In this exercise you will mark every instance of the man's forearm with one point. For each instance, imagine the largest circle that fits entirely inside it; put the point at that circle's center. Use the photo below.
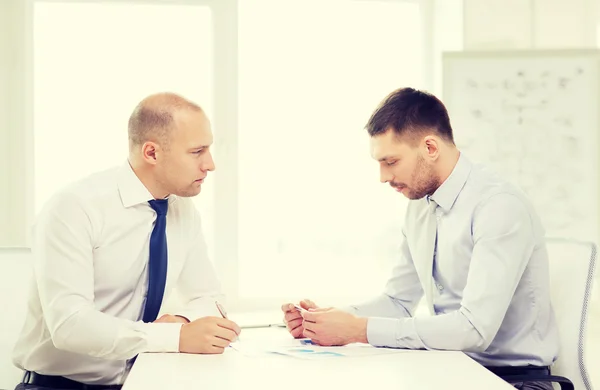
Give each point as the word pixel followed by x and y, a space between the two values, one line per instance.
pixel 451 331
pixel 96 334
pixel 381 306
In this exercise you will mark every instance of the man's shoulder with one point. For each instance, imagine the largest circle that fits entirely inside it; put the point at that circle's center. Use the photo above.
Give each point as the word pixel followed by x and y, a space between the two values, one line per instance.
pixel 485 182
pixel 86 190
pixel 489 190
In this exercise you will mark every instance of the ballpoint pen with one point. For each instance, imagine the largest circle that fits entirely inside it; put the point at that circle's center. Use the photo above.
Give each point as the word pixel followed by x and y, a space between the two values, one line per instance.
pixel 221 310
pixel 299 308
pixel 224 315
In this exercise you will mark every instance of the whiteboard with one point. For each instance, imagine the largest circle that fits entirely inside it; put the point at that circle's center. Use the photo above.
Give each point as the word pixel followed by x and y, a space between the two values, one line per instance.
pixel 533 117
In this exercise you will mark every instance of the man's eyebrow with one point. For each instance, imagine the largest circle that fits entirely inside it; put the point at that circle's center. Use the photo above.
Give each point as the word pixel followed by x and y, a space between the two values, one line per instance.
pixel 199 147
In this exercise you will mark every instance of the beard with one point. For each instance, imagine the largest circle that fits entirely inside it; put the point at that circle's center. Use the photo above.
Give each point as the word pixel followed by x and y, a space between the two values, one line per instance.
pixel 424 180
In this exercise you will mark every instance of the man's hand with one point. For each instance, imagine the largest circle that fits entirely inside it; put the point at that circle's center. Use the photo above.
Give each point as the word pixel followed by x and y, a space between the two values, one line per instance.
pixel 209 335
pixel 292 317
pixel 168 318
pixel 334 327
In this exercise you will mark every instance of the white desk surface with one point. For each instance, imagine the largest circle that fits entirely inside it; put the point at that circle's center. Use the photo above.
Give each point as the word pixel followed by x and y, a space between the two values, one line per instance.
pixel 232 370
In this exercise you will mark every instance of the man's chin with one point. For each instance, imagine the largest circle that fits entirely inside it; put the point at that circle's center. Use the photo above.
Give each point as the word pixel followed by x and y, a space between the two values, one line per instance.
pixel 189 193
pixel 412 196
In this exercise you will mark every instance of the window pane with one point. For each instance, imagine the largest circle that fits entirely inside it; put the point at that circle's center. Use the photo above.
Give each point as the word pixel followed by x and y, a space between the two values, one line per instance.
pixel 312 211
pixel 92 65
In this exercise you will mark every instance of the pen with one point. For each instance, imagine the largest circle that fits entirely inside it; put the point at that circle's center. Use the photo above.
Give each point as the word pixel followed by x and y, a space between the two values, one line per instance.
pixel 224 314
pixel 221 310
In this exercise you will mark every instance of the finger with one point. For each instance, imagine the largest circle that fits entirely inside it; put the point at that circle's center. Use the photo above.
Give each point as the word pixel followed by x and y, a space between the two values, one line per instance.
pixel 288 307
pixel 215 350
pixel 316 342
pixel 220 342
pixel 228 324
pixel 225 334
pixel 297 332
pixel 310 316
pixel 295 322
pixel 309 333
pixel 310 326
pixel 291 325
pixel 292 316
pixel 319 309
pixel 308 304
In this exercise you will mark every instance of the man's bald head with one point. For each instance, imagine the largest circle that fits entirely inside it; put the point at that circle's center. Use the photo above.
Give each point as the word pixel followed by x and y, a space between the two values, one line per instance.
pixel 154 118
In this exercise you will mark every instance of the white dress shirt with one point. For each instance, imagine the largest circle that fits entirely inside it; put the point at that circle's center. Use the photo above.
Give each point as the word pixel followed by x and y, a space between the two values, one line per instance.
pixel 90 256
pixel 487 278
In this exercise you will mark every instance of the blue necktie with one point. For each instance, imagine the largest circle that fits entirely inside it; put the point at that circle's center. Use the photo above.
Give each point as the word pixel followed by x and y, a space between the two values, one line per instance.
pixel 157 265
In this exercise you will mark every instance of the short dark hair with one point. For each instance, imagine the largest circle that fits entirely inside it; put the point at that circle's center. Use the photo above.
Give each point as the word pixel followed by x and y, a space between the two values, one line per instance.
pixel 410 113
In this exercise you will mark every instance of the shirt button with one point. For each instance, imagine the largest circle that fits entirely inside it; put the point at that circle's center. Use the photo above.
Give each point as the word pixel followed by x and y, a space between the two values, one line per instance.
pixel 440 287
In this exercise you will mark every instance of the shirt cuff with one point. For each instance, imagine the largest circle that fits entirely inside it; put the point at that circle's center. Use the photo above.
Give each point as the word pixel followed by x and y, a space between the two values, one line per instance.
pixel 163 337
pixel 381 332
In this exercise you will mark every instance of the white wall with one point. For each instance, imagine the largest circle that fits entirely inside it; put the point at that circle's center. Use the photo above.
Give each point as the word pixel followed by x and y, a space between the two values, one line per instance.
pixel 14 191
pixel 15 157
pixel 13 263
pixel 4 135
pixel 526 24
pixel 15 272
pixel 447 35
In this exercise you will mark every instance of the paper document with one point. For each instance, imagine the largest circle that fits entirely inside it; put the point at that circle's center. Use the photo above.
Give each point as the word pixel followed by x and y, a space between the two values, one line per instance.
pixel 254 347
pixel 319 352
pixel 304 349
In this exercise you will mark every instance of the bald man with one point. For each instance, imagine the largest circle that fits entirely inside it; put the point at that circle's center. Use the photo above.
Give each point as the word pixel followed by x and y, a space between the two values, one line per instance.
pixel 103 266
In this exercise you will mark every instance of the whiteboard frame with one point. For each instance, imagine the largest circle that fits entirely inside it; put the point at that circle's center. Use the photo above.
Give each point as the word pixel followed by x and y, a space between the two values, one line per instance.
pixel 591 53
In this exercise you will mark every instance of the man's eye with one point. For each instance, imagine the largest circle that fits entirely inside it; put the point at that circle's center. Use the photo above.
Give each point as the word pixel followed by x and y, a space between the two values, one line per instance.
pixel 390 163
pixel 198 151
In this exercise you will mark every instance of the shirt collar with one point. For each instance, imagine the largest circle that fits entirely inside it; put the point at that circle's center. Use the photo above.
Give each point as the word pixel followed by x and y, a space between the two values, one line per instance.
pixel 131 188
pixel 446 194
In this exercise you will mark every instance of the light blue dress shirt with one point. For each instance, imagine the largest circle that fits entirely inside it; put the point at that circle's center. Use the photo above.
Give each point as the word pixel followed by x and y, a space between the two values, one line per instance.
pixel 490 277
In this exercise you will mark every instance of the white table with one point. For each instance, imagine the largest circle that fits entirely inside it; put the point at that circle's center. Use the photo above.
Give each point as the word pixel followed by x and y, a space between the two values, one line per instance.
pixel 234 371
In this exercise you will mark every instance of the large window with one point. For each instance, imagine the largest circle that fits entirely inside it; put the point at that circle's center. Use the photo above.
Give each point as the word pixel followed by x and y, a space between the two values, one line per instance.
pixel 295 207
pixel 313 218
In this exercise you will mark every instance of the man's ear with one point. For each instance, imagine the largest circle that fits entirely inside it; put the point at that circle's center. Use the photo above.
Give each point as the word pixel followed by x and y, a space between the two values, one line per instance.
pixel 431 146
pixel 149 152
